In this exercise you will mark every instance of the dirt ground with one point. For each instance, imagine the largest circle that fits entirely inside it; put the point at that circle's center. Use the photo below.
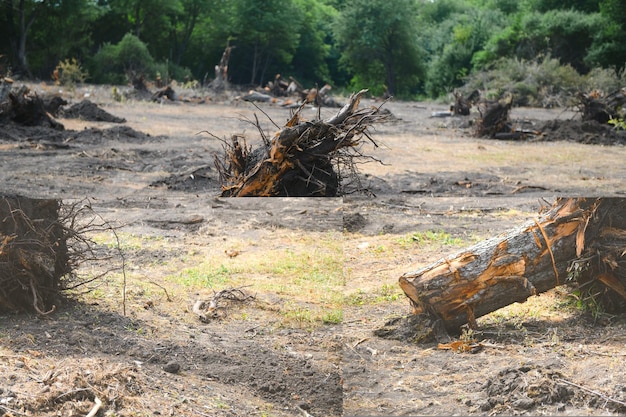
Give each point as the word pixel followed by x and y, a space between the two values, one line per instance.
pixel 437 190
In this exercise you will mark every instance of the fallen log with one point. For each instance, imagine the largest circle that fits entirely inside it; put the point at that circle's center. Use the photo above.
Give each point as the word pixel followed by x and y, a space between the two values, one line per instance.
pixel 526 261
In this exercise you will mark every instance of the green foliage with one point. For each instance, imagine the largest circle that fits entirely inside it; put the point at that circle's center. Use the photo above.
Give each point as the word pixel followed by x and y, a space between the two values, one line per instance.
pixel 609 45
pixel 377 41
pixel 310 61
pixel 264 36
pixel 404 47
pixel 604 79
pixel 170 71
pixel 456 40
pixel 618 123
pixel 114 64
pixel 565 35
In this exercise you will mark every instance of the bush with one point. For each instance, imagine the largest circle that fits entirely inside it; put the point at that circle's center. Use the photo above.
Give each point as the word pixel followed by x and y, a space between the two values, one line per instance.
pixel 68 73
pixel 604 79
pixel 116 64
pixel 538 83
pixel 168 72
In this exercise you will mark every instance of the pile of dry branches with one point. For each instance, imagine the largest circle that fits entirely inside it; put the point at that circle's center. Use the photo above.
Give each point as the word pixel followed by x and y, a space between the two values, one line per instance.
pixel 42 241
pixel 305 158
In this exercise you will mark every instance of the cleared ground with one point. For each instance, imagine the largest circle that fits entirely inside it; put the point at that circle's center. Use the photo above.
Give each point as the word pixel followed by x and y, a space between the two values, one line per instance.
pixel 322 273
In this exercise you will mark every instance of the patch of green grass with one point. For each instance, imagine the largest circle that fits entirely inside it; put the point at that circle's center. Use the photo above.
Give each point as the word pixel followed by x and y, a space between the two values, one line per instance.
pixel 308 318
pixel 334 316
pixel 202 276
pixel 429 237
pixel 388 293
pixel 300 315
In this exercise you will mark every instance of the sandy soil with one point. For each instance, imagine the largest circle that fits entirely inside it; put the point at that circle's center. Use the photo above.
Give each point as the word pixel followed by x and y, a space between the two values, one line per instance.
pixel 438 190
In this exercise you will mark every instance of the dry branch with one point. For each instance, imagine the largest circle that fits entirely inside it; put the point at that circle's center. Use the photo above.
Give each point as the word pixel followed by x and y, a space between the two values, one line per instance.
pixel 302 159
pixel 212 309
pixel 587 233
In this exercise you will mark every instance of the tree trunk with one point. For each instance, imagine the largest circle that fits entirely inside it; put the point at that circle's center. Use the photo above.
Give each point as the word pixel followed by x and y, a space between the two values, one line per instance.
pixel 502 270
pixel 220 82
pixel 24 28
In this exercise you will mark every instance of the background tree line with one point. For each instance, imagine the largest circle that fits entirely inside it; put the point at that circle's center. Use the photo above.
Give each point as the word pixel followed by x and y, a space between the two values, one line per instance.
pixel 406 48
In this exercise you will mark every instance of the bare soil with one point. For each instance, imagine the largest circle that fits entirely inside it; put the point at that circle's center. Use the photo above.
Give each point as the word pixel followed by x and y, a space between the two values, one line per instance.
pixel 152 176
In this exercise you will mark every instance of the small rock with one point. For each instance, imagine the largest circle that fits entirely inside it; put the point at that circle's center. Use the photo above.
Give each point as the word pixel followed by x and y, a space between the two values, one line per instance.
pixel 172 367
pixel 19 364
pixel 524 403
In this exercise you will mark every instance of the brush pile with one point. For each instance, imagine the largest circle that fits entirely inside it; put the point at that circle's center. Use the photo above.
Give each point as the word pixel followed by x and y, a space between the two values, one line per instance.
pixel 304 159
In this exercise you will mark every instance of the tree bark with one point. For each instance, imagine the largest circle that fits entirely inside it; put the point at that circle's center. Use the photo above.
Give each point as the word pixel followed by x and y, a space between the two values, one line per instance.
pixel 502 270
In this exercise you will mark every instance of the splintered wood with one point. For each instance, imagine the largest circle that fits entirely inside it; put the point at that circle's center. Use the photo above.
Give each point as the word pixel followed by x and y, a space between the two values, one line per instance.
pixel 526 261
pixel 304 159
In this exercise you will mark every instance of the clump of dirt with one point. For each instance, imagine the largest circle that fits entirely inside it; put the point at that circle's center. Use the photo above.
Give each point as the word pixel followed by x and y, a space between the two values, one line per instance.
pixel 353 222
pixel 524 388
pixel 587 132
pixel 119 133
pixel 416 328
pixel 86 110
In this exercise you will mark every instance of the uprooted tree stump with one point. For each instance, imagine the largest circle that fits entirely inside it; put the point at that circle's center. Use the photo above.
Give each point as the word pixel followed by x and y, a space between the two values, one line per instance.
pixel 42 242
pixel 462 105
pixel 494 117
pixel 25 107
pixel 304 159
pixel 33 254
pixel 601 108
pixel 577 240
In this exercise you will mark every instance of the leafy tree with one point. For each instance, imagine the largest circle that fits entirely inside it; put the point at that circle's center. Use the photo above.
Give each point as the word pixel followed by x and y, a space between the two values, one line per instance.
pixel 378 44
pixel 124 61
pixel 609 45
pixel 184 24
pixel 19 18
pixel 565 35
pixel 265 35
pixel 310 60
pixel 453 44
pixel 62 32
